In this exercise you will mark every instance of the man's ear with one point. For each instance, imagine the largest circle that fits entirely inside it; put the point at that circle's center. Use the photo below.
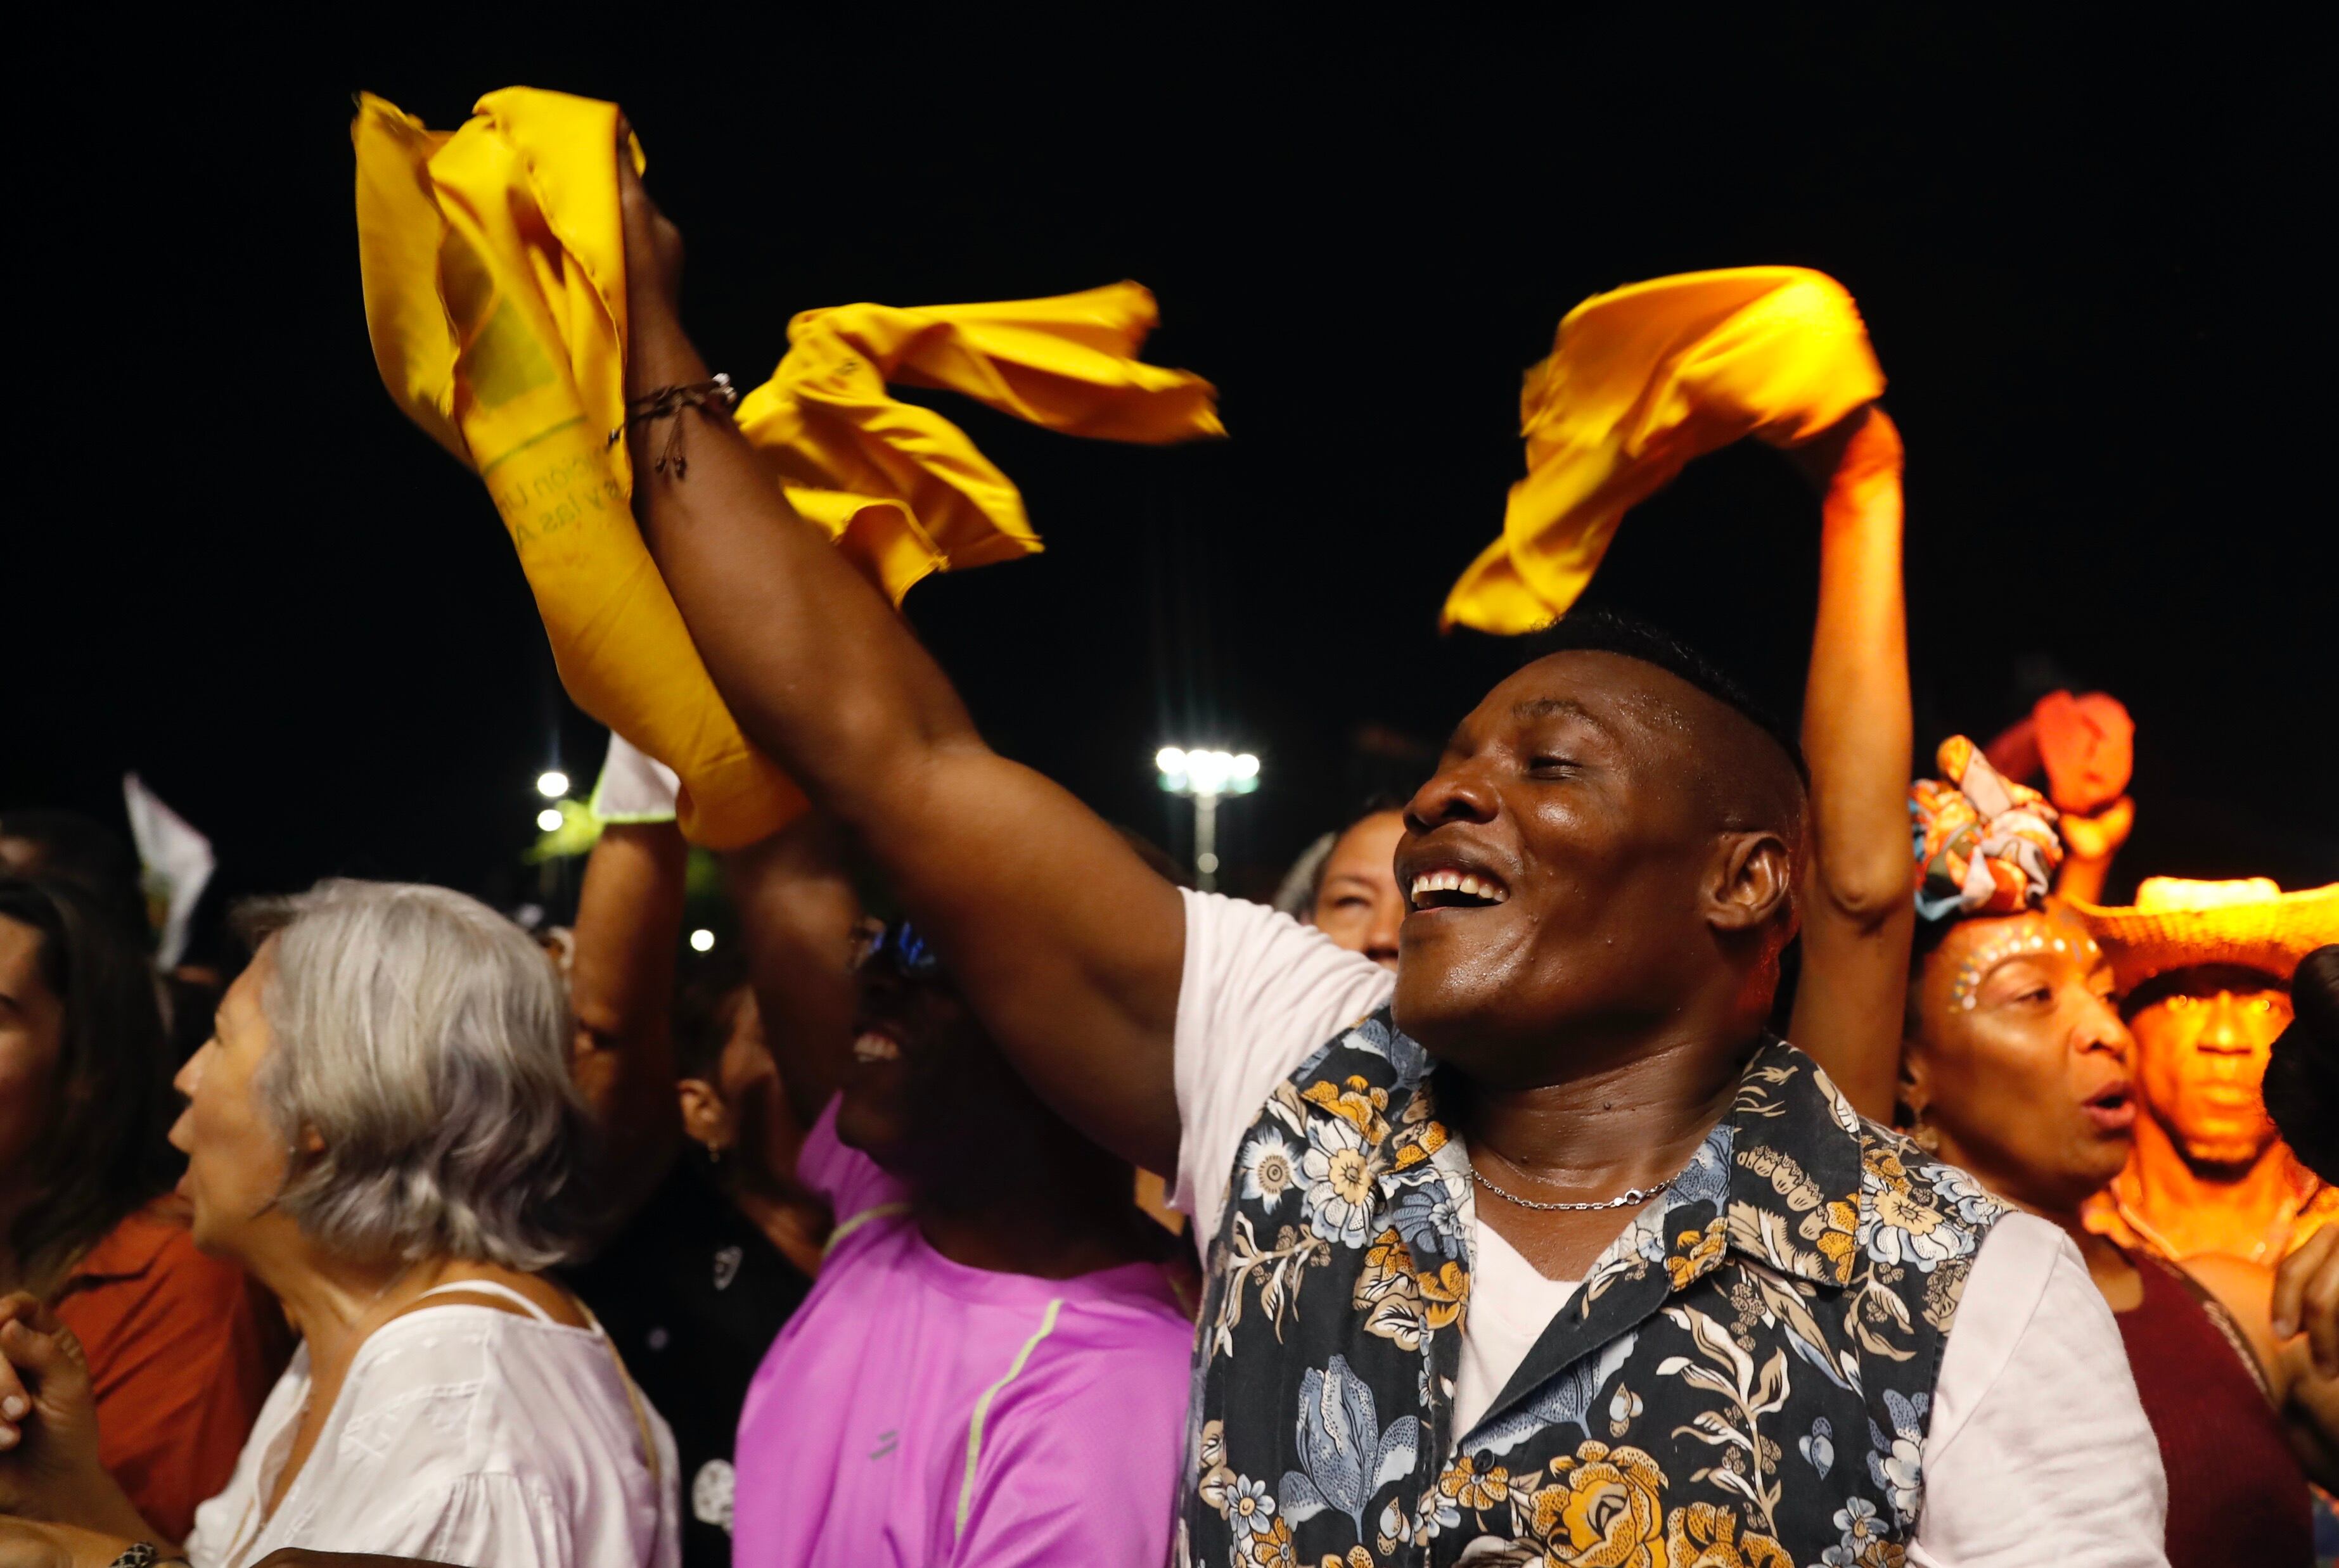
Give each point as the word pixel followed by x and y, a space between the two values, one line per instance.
pixel 705 1119
pixel 1914 1087
pixel 1753 882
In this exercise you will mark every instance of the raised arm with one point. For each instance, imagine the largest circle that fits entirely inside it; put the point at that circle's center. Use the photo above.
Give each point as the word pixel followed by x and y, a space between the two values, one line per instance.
pixel 1858 912
pixel 1066 943
pixel 621 985
pixel 797 909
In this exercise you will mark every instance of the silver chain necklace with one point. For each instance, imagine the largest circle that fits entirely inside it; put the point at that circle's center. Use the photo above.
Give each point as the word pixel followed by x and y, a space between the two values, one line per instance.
pixel 1629 1197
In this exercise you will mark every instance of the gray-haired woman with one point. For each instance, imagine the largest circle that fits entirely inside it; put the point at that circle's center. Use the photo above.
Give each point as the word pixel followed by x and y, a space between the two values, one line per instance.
pixel 383 1131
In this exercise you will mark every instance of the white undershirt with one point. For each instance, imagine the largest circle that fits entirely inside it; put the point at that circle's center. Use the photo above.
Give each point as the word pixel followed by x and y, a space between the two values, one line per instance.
pixel 2038 1452
pixel 1510 1306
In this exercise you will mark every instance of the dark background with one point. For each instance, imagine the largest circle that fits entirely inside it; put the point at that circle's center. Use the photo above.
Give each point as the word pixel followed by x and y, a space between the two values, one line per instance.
pixel 2084 255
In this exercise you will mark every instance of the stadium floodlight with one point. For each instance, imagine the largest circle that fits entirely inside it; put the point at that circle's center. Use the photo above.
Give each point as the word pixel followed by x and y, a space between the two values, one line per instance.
pixel 1206 775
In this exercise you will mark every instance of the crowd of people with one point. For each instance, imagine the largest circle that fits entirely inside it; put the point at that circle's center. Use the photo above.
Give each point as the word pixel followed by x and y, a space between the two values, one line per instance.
pixel 1501 1195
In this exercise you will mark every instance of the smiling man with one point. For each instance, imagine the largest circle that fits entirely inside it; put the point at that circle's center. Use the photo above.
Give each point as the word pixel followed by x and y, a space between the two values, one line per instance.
pixel 1540 1248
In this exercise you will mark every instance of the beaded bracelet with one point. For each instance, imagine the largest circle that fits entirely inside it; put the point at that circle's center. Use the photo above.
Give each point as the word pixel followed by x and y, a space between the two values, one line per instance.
pixel 667 403
pixel 143 1554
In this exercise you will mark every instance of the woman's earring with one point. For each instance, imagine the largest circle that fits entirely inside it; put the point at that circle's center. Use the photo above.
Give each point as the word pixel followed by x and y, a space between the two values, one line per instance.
pixel 1924 1134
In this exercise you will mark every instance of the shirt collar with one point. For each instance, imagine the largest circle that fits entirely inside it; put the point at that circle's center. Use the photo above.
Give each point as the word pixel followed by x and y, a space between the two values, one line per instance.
pixel 1797 1165
pixel 126 1251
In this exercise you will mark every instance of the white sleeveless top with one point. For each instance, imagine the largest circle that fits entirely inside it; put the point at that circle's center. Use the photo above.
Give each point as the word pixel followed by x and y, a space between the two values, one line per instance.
pixel 463 1434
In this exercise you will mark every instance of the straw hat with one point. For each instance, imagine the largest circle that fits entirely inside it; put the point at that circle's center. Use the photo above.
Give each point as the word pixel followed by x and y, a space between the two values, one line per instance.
pixel 2177 925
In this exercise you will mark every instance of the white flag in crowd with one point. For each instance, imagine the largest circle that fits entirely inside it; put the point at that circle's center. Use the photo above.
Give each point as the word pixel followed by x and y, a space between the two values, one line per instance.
pixel 175 861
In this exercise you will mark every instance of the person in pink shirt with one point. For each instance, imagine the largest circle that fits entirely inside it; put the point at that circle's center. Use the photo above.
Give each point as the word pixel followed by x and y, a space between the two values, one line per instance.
pixel 991 1366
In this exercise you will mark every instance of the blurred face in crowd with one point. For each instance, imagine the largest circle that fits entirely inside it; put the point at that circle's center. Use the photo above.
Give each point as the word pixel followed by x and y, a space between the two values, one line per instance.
pixel 2018 1059
pixel 2203 1037
pixel 1357 903
pixel 927 1095
pixel 1567 867
pixel 741 1111
pixel 237 1161
pixel 32 1032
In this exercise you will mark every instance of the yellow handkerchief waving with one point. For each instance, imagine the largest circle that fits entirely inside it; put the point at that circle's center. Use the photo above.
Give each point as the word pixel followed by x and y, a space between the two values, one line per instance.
pixel 1640 381
pixel 901 490
pixel 494 293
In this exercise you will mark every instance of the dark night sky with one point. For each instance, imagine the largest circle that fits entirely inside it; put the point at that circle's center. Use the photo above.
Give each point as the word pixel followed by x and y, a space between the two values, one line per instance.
pixel 2083 257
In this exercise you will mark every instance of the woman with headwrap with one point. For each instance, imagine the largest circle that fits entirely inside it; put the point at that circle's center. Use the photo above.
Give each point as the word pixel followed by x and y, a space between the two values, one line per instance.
pixel 2013 1062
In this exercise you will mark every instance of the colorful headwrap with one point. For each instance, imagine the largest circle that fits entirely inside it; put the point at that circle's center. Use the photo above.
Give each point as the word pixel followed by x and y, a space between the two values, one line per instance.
pixel 1984 844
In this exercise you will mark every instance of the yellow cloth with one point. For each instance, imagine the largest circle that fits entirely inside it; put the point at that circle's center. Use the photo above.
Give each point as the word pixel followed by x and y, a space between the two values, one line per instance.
pixel 1640 381
pixel 493 261
pixel 901 489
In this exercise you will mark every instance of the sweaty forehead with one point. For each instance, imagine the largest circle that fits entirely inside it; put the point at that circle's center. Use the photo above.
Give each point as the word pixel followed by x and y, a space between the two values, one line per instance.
pixel 1675 740
pixel 1645 711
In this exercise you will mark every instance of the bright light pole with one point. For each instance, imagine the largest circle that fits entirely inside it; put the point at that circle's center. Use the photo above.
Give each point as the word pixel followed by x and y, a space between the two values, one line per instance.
pixel 1206 776
pixel 550 785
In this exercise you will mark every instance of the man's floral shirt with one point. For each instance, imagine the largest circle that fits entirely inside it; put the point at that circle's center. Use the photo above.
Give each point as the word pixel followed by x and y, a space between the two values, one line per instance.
pixel 1743 1379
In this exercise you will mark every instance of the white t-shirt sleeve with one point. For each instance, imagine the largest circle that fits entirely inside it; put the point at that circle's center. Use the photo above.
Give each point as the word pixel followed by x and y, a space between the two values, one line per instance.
pixel 1259 992
pixel 2038 1451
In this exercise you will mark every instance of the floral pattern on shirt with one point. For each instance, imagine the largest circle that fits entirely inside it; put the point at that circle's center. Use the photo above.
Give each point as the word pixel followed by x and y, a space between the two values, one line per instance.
pixel 1743 1379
